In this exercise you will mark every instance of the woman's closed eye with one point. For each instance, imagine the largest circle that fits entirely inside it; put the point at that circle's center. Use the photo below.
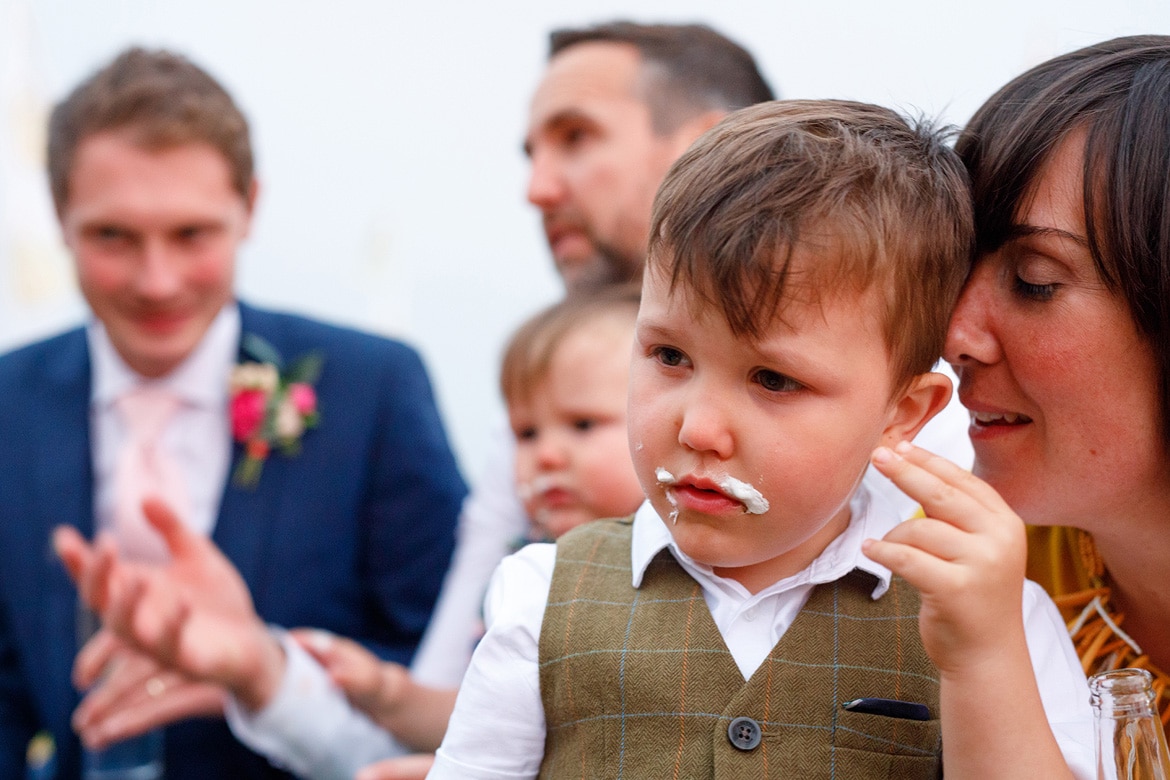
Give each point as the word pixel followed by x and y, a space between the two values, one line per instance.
pixel 1032 290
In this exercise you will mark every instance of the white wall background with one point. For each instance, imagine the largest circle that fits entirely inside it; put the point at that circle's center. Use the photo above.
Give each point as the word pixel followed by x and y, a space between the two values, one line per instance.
pixel 388 138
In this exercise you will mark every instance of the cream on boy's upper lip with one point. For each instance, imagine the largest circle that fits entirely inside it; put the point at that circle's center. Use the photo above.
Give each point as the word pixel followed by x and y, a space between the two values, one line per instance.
pixel 753 501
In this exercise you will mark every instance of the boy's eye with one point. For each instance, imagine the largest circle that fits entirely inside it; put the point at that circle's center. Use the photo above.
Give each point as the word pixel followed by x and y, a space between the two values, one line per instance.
pixel 525 434
pixel 583 424
pixel 775 382
pixel 669 356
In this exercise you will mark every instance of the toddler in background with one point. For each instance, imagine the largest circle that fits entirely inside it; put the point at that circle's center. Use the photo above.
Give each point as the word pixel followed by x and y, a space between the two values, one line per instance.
pixel 564 377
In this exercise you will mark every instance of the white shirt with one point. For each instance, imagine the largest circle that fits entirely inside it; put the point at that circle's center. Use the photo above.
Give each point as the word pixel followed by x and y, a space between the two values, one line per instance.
pixel 491 521
pixel 309 727
pixel 497 731
pixel 197 438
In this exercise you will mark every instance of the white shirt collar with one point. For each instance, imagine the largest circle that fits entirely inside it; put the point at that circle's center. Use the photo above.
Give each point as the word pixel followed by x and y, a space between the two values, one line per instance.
pixel 871 518
pixel 200 380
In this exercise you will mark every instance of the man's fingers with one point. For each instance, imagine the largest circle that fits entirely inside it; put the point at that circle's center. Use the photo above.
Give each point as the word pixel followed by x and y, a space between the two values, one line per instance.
pixel 73 550
pixel 176 535
pixel 93 658
pixel 160 700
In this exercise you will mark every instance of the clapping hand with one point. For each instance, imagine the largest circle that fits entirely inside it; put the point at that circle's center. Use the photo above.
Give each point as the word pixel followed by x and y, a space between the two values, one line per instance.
pixel 192 617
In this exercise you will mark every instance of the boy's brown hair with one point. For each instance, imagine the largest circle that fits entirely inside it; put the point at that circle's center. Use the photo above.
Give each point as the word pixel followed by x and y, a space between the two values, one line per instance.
pixel 881 203
pixel 163 100
pixel 531 349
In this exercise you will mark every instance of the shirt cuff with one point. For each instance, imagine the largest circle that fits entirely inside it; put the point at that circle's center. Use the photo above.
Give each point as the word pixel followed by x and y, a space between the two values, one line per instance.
pixel 309 727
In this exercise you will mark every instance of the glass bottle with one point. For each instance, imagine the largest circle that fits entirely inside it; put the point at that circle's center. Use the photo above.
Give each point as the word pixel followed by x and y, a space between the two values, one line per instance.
pixel 1131 744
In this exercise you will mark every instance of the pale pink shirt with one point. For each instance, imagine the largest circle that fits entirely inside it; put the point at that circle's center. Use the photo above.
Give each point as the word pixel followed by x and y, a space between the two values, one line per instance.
pixel 197 438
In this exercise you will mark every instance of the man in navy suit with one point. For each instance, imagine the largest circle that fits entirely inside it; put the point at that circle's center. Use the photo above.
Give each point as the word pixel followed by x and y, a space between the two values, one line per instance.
pixel 350 530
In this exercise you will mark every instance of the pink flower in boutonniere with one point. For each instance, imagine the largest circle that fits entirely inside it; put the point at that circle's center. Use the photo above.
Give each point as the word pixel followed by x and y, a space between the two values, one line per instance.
pixel 270 409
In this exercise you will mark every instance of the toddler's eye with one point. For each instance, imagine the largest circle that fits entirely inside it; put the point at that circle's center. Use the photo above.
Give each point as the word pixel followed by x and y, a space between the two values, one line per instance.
pixel 669 356
pixel 584 424
pixel 525 434
pixel 775 382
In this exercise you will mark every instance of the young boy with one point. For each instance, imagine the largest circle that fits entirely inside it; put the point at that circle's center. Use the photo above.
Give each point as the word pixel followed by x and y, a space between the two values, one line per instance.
pixel 803 259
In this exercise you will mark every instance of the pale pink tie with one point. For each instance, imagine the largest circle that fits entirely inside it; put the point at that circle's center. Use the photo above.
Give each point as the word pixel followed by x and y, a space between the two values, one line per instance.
pixel 146 470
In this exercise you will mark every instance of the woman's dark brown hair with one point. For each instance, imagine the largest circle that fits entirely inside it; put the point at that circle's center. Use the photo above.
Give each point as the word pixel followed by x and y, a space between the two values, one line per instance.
pixel 1118 94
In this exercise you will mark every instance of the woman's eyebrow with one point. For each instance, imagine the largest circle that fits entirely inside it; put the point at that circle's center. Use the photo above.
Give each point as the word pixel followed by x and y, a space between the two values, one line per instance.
pixel 1020 231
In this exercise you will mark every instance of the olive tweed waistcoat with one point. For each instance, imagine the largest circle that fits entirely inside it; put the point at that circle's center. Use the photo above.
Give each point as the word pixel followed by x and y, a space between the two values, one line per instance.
pixel 637 683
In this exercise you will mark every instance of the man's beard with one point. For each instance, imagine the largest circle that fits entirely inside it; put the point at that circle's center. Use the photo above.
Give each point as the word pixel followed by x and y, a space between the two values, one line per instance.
pixel 608 266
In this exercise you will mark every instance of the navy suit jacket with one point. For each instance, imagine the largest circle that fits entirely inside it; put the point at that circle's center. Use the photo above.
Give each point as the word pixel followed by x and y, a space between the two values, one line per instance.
pixel 353 534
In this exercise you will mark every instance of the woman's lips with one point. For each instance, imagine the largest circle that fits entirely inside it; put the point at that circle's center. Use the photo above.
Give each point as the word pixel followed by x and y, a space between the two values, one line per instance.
pixel 987 419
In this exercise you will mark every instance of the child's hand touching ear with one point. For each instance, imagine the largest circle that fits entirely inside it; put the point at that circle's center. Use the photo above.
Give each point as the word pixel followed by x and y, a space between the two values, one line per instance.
pixel 966 557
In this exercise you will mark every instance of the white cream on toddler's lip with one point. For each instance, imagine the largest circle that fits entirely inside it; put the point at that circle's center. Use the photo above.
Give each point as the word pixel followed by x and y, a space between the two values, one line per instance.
pixel 753 500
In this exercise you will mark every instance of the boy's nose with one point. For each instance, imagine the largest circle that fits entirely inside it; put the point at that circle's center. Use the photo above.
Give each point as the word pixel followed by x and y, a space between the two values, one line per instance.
pixel 705 428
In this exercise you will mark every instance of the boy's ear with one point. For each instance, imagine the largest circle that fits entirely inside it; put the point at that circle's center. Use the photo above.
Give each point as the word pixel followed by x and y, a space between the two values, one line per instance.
pixel 925 397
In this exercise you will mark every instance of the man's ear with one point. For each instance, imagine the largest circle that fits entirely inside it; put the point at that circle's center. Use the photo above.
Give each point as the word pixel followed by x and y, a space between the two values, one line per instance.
pixel 690 130
pixel 250 203
pixel 925 397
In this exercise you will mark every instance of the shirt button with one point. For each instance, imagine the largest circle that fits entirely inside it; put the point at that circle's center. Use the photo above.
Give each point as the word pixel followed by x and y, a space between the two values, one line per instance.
pixel 750 613
pixel 744 733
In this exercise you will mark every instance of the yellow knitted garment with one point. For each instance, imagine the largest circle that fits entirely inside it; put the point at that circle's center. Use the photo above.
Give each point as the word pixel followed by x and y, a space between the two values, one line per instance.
pixel 1066 563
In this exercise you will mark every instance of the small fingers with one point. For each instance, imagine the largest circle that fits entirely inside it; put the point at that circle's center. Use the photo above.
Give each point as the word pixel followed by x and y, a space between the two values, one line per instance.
pixel 934 537
pixel 405 768
pixel 921 569
pixel 944 490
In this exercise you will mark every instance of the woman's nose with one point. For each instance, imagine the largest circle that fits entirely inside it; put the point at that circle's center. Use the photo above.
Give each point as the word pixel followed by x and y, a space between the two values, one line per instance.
pixel 971 333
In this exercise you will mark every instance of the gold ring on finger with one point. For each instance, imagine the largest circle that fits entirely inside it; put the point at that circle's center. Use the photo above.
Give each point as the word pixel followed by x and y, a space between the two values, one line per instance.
pixel 155 687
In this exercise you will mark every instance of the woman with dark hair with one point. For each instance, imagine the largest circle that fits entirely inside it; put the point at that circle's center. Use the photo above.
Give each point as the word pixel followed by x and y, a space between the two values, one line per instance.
pixel 1061 338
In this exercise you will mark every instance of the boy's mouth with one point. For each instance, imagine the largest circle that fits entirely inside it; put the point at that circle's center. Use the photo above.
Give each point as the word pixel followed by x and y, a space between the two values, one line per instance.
pixel 723 485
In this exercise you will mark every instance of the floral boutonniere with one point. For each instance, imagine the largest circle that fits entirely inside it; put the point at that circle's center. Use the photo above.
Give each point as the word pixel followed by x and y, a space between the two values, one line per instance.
pixel 271 407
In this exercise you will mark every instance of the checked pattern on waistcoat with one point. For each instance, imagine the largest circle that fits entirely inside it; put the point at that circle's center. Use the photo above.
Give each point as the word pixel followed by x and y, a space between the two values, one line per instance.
pixel 638 683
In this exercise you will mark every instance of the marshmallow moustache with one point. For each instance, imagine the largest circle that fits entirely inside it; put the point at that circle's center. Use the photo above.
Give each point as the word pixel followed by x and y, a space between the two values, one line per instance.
pixel 753 500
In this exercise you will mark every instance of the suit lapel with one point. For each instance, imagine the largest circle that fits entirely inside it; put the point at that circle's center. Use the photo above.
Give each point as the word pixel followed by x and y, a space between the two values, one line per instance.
pixel 245 526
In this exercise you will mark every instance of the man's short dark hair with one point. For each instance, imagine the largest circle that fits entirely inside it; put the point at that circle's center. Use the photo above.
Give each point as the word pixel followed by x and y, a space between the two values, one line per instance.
pixel 688 69
pixel 163 100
